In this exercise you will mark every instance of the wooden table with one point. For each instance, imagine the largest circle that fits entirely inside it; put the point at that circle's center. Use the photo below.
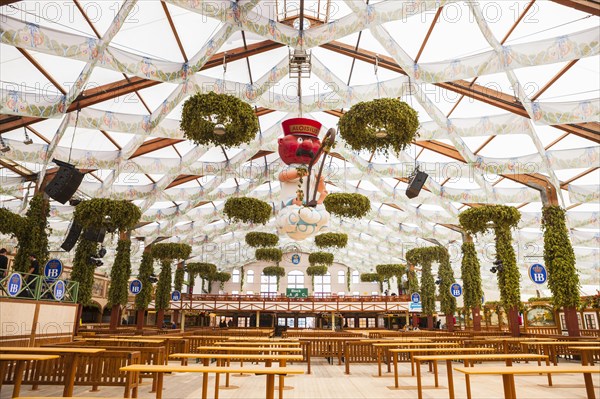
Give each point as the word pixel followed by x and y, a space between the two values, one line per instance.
pixel 72 353
pixel 584 350
pixel 125 340
pixel 21 359
pixel 549 347
pixel 412 351
pixel 508 374
pixel 258 343
pixel 248 349
pixel 282 359
pixel 387 345
pixel 270 373
pixel 468 359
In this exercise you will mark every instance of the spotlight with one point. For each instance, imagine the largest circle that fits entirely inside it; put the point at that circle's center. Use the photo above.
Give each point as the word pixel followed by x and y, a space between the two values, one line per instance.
pixel 3 146
pixel 381 133
pixel 153 279
pixel 498 265
pixel 101 252
pixel 93 261
pixel 27 140
pixel 493 269
pixel 219 129
pixel 438 281
pixel 74 201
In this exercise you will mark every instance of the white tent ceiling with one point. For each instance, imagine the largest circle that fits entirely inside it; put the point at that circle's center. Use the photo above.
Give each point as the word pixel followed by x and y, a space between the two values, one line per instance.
pixel 503 90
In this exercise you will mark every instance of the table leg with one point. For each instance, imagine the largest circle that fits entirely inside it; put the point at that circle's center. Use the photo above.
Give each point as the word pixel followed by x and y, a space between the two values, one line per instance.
pixel 217 375
pixel 584 361
pixel 506 386
pixel 2 372
pixel 159 385
pixel 205 382
pixel 412 365
pixel 136 377
pixel 396 369
pixel 435 373
pixel 282 363
pixel 388 360
pixel 450 379
pixel 70 377
pixel 18 378
pixel 270 386
pixel 589 386
pixel 419 387
pixel 468 381
pixel 227 375
pixel 379 362
pixel 549 375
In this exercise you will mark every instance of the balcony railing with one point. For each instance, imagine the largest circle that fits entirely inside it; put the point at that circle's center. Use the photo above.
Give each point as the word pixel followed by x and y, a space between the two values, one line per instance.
pixel 39 288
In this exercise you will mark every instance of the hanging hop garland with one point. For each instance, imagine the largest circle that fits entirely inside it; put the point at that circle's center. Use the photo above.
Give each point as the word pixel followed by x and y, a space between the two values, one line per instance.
pixel 146 270
pixel 83 272
pixel 371 278
pixel 269 254
pixel 222 278
pixel 256 239
pixel 178 279
pixel 329 240
pixel 347 205
pixel 316 270
pixel 204 270
pixel 247 210
pixel 202 112
pixel 360 126
pixel 274 271
pixel 320 258
pixel 471 276
pixel 108 213
pixel 170 251
pixel 119 274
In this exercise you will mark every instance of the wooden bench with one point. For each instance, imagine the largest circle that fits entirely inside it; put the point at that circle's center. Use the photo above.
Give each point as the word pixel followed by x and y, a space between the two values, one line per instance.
pixel 468 360
pixel 270 373
pixel 588 353
pixel 508 374
pixel 387 345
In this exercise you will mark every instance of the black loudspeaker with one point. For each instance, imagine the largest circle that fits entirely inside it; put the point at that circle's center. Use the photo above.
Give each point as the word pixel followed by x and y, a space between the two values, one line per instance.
pixel 94 234
pixel 72 237
pixel 415 184
pixel 65 182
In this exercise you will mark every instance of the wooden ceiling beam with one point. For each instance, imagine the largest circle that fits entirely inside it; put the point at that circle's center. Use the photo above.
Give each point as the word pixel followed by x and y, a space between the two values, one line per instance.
pixel 587 6
pixel 153 145
pixel 182 179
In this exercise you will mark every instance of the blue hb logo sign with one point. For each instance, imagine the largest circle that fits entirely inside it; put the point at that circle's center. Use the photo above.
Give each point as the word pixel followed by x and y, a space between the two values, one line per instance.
pixel 415 297
pixel 295 259
pixel 14 284
pixel 135 287
pixel 53 269
pixel 538 273
pixel 59 290
pixel 455 290
pixel 176 296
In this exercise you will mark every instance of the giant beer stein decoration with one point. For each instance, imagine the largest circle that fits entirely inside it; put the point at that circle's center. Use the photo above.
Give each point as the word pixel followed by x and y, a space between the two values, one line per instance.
pixel 300 148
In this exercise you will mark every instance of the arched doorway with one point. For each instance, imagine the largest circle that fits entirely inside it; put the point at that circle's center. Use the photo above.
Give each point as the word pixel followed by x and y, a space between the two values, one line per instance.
pixel 91 313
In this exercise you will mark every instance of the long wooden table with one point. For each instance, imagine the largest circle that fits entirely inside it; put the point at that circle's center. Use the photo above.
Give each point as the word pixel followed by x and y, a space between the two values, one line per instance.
pixel 72 353
pixel 249 349
pixel 21 359
pixel 220 357
pixel 387 345
pixel 468 359
pixel 270 373
pixel 412 351
pixel 549 347
pixel 585 350
pixel 508 374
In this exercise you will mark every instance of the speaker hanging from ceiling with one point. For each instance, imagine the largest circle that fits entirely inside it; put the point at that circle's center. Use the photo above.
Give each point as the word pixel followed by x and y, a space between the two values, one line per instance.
pixel 95 234
pixel 72 236
pixel 64 184
pixel 416 183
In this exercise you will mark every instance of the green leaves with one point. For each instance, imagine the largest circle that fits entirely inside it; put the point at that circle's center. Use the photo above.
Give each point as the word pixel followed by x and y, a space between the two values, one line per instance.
pixel 170 251
pixel 104 212
pixel 202 112
pixel 274 271
pixel 146 270
pixel 83 272
pixel 247 210
pixel 347 205
pixel 320 258
pixel 316 270
pixel 269 254
pixel 471 276
pixel 390 270
pixel 328 240
pixel 446 276
pixel 162 298
pixel 178 280
pixel 563 279
pixel 425 257
pixel 365 121
pixel 256 239
pixel 476 220
pixel 119 274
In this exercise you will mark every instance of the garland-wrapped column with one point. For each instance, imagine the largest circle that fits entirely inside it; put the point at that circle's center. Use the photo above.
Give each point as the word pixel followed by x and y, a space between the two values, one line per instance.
pixel 178 286
pixel 471 276
pixel 559 257
pixel 413 286
pixel 446 275
pixel 119 278
pixel 145 296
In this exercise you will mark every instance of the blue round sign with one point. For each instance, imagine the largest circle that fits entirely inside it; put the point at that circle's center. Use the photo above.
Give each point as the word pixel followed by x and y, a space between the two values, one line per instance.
pixel 53 269
pixel 175 296
pixel 295 259
pixel 15 281
pixel 415 297
pixel 455 290
pixel 135 287
pixel 59 290
pixel 538 273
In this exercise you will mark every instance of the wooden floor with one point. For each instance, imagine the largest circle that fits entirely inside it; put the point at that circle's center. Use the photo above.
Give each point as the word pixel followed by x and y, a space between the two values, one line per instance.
pixel 329 381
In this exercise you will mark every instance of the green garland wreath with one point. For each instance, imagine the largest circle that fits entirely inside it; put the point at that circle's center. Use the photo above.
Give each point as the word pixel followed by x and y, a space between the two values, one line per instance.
pixel 274 271
pixel 503 218
pixel 320 258
pixel 256 239
pixel 347 205
pixel 202 112
pixel 563 279
pixel 104 212
pixel 360 126
pixel 247 210
pixel 320 270
pixel 328 240
pixel 170 251
pixel 204 270
pixel 146 270
pixel 269 254
pixel 222 278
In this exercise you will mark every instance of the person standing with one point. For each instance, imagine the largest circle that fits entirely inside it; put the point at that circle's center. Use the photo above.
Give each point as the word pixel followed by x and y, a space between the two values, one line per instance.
pixel 34 268
pixel 3 263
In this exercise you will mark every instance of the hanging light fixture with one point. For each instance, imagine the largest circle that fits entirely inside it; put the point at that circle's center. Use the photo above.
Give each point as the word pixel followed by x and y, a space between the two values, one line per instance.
pixel 219 129
pixel 381 133
pixel 28 139
pixel 3 146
